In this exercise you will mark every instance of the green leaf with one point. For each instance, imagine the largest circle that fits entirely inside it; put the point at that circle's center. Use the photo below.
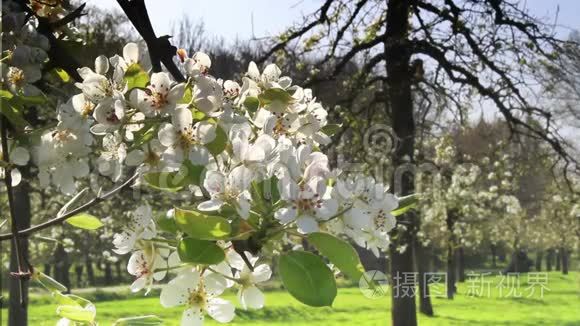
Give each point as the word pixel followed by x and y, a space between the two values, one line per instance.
pixel 307 278
pixel 200 251
pixel 405 204
pixel 76 313
pixel 220 142
pixel 6 94
pixel 167 224
pixel 144 135
pixel 13 112
pixel 48 282
pixel 339 252
pixel 139 321
pixel 85 221
pixel 331 129
pixel 62 74
pixel 135 76
pixel 32 100
pixel 200 226
pixel 267 189
pixel 274 95
pixel 188 174
pixel 187 96
pixel 252 103
pixel 70 300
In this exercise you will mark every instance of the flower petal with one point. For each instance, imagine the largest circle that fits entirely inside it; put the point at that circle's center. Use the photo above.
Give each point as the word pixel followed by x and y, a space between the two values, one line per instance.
pixel 221 310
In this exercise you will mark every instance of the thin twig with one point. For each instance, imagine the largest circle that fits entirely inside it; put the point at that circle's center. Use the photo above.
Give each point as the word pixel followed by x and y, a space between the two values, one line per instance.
pixel 60 219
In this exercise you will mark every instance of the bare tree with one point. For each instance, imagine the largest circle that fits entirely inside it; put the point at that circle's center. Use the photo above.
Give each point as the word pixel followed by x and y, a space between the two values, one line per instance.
pixel 464 50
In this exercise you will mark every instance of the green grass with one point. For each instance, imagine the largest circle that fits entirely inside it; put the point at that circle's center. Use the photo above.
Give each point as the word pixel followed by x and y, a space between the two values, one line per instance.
pixel 559 306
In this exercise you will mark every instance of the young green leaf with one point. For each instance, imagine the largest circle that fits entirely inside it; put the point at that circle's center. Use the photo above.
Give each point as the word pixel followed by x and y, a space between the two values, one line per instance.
pixel 339 252
pixel 274 94
pixel 151 320
pixel 187 175
pixel 85 221
pixel 201 226
pixel 252 103
pixel 220 142
pixel 405 204
pixel 135 76
pixel 77 313
pixel 48 282
pixel 307 278
pixel 200 251
pixel 331 129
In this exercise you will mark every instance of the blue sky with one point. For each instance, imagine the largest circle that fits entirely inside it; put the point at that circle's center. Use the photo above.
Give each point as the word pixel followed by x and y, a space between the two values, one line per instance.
pixel 232 18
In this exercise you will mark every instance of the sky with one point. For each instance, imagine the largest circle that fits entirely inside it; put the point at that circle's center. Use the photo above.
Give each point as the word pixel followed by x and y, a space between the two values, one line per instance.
pixel 233 18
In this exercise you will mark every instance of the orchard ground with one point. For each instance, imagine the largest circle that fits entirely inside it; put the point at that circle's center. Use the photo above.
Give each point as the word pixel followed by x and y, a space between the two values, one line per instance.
pixel 560 305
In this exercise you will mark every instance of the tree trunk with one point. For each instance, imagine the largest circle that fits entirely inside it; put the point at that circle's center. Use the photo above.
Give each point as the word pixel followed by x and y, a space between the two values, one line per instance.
pixel 400 106
pixel 108 274
pixel 493 255
pixel 450 272
pixel 18 313
pixel 564 254
pixel 90 271
pixel 62 266
pixel 558 259
pixel 421 263
pixel 47 269
pixel 460 265
pixel 549 260
pixel 79 275
pixel 539 256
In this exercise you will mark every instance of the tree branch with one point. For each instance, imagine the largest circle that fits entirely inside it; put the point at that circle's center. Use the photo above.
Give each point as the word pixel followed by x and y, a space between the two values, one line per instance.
pixel 160 49
pixel 60 219
pixel 23 271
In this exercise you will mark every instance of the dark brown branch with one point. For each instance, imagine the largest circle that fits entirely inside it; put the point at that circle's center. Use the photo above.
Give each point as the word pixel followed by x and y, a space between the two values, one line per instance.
pixel 160 49
pixel 23 271
pixel 281 45
pixel 58 55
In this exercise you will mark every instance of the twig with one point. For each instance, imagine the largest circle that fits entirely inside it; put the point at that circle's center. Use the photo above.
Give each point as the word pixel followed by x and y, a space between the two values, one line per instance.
pixel 23 271
pixel 60 219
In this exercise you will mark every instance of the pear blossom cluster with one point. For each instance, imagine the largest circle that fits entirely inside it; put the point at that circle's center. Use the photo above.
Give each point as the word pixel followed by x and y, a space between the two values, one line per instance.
pixel 250 152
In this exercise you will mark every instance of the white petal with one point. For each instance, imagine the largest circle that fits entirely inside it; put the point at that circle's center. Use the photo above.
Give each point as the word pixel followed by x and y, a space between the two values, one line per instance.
pixel 138 284
pixel 307 224
pixel 210 205
pixel 16 177
pixel 205 132
pixel 214 182
pixel 167 135
pixel 131 53
pixel 327 209
pixel 261 273
pixel 19 156
pixel 101 65
pixel 174 295
pixel 182 118
pixel 192 317
pixel 176 93
pixel 160 82
pixel 221 310
pixel 251 298
pixel 285 214
pixel 253 71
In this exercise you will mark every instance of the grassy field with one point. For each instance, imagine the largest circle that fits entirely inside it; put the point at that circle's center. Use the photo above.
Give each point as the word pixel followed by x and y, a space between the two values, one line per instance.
pixel 560 305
